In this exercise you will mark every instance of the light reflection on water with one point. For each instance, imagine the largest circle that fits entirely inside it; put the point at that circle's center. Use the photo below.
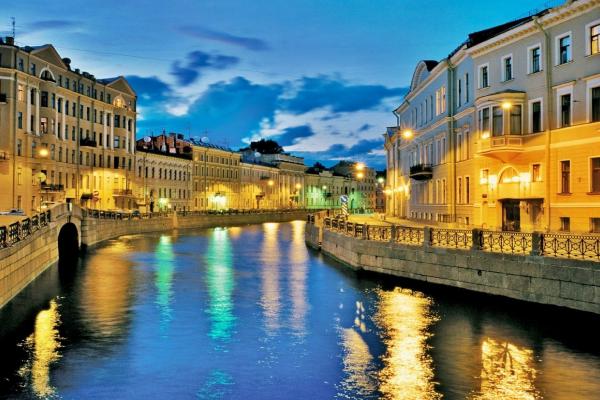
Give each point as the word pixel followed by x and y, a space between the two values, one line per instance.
pixel 251 313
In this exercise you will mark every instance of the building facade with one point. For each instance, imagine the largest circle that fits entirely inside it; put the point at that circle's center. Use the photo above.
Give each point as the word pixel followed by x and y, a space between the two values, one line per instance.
pixel 503 133
pixel 164 174
pixel 259 186
pixel 67 136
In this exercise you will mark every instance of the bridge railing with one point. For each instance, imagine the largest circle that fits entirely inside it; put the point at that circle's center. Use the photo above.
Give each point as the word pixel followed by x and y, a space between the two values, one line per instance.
pixel 561 245
pixel 20 230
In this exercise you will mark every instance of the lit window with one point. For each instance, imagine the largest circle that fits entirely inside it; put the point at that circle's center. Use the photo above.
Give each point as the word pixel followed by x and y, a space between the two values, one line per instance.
pixel 565 181
pixel 536 173
pixel 595 174
pixel 595 39
pixel 565 110
pixel 565 224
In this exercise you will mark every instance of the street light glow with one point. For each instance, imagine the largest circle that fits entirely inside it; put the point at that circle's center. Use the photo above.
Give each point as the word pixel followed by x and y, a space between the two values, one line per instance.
pixel 270 183
pixel 360 166
pixel 43 152
pixel 381 180
pixel 360 175
pixel 298 186
pixel 407 134
pixel 507 105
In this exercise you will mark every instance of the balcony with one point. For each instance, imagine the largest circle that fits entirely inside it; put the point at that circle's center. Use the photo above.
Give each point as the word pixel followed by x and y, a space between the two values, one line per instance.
pixel 421 172
pixel 502 148
pixel 3 98
pixel 122 193
pixel 51 188
pixel 87 142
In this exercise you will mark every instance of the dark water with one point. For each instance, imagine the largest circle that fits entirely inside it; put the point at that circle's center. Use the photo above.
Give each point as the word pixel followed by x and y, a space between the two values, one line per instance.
pixel 250 313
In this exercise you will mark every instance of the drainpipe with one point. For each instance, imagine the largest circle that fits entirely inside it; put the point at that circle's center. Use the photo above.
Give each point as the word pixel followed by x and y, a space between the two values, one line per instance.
pixel 14 136
pixel 547 119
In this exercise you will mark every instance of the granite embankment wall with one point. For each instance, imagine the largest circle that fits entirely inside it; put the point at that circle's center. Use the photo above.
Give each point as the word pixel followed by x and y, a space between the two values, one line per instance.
pixel 26 255
pixel 561 282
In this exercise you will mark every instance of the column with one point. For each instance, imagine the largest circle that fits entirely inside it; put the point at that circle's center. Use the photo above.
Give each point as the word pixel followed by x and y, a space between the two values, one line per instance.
pixel 64 120
pixel 112 133
pixel 126 136
pixel 104 130
pixel 55 125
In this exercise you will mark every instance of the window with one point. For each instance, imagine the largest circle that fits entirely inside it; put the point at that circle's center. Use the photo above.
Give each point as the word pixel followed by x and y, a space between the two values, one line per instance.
pixel 19 147
pixel 507 68
pixel 459 89
pixel 595 104
pixel 21 93
pixel 536 173
pixel 467 190
pixel 484 176
pixel 44 99
pixel 565 177
pixel 515 120
pixel 563 49
pixel 20 65
pixel 460 190
pixel 595 225
pixel 44 124
pixel 32 68
pixel 466 88
pixel 565 224
pixel 535 60
pixel 565 110
pixel 20 120
pixel 536 116
pixel 484 120
pixel 497 126
pixel 484 76
pixel 595 174
pixel 592 32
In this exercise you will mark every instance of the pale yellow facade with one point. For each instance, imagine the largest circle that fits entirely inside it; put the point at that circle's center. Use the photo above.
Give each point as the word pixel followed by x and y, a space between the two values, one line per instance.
pixel 65 134
pixel 259 186
pixel 505 132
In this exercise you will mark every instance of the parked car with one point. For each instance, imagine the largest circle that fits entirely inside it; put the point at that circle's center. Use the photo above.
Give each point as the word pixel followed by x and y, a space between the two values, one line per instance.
pixel 13 211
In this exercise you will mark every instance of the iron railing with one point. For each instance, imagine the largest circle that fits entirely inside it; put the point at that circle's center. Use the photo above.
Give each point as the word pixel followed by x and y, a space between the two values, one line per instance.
pixel 564 245
pixel 20 230
pixel 409 235
pixel 506 242
pixel 453 238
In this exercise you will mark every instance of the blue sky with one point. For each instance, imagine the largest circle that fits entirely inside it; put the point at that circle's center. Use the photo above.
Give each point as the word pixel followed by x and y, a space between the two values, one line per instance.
pixel 320 76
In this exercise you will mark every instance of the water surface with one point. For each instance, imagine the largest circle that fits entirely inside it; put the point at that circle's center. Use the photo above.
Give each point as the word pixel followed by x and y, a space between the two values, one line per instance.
pixel 251 313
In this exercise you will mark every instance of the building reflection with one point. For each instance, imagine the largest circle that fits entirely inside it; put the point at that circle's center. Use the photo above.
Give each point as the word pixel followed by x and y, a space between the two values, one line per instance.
pixel 298 256
pixel 405 319
pixel 270 296
pixel 43 346
pixel 106 292
pixel 163 280
pixel 507 372
pixel 220 281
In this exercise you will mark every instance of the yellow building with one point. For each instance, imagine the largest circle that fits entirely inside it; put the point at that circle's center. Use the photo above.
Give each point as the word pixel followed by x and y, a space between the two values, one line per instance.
pixel 259 186
pixel 504 132
pixel 216 177
pixel 66 134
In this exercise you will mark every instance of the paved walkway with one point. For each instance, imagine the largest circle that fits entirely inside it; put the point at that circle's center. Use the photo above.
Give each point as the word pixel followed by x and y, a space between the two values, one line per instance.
pixel 380 219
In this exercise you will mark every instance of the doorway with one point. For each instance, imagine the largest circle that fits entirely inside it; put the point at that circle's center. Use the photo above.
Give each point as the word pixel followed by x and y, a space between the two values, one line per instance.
pixel 511 215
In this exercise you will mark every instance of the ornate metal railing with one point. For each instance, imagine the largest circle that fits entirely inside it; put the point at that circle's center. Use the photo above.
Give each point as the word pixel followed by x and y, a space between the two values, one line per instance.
pixel 506 242
pixel 20 230
pixel 379 233
pixel 564 245
pixel 408 235
pixel 454 238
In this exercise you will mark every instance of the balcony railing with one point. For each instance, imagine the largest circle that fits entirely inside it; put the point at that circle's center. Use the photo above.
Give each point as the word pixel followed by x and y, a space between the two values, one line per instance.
pixel 421 172
pixel 87 142
pixel 46 187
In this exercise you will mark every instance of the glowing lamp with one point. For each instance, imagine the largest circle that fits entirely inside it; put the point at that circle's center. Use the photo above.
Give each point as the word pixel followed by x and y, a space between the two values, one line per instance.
pixel 43 152
pixel 298 186
pixel 380 180
pixel 360 166
pixel 324 187
pixel 407 134
pixel 507 105
pixel 360 175
pixel 485 135
pixel 270 182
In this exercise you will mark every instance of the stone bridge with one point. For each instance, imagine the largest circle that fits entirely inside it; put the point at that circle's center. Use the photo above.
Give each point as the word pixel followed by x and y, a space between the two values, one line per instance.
pixel 30 246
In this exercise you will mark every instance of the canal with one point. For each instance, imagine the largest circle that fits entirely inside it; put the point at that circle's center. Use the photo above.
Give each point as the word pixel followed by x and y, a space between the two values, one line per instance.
pixel 251 313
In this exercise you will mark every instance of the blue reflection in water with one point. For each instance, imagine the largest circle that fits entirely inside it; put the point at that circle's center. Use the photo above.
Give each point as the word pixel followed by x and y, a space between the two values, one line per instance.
pixel 163 281
pixel 219 279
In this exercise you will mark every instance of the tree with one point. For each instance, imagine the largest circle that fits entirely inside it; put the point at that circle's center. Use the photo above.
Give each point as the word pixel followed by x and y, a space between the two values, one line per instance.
pixel 319 167
pixel 266 147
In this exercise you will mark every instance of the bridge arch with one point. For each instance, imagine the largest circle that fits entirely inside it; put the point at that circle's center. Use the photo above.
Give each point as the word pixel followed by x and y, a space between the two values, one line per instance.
pixel 68 242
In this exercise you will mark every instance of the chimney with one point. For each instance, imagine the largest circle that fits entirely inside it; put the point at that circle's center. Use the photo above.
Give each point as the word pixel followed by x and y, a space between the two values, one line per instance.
pixel 10 40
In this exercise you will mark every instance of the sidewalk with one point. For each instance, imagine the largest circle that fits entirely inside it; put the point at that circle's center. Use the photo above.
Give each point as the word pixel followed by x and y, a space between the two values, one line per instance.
pixel 378 219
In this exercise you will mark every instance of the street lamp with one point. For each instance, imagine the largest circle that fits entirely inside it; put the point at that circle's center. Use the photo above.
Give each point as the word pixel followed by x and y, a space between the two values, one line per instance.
pixel 407 134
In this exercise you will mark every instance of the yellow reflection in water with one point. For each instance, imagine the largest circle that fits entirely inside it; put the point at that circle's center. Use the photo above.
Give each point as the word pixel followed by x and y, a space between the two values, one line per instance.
pixel 298 255
pixel 163 279
pixel 360 378
pixel 270 297
pixel 405 317
pixel 507 372
pixel 220 285
pixel 43 344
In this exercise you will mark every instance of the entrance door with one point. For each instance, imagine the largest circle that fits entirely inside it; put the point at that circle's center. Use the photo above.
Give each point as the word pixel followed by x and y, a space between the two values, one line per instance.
pixel 511 215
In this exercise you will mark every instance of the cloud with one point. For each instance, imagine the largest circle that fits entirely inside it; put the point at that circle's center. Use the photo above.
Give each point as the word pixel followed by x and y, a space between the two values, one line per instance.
pixel 365 127
pixel 198 61
pixel 223 37
pixel 51 24
pixel 292 135
pixel 150 90
pixel 339 95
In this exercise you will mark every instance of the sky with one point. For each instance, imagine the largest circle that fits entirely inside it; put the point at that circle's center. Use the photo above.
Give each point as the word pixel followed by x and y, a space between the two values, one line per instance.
pixel 321 77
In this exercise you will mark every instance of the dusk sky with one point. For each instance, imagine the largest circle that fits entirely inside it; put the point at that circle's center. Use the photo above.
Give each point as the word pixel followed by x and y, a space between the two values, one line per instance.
pixel 321 77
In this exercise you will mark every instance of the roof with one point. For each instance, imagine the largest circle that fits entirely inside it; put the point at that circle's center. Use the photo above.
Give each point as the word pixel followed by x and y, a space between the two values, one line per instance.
pixel 430 64
pixel 210 145
pixel 478 37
